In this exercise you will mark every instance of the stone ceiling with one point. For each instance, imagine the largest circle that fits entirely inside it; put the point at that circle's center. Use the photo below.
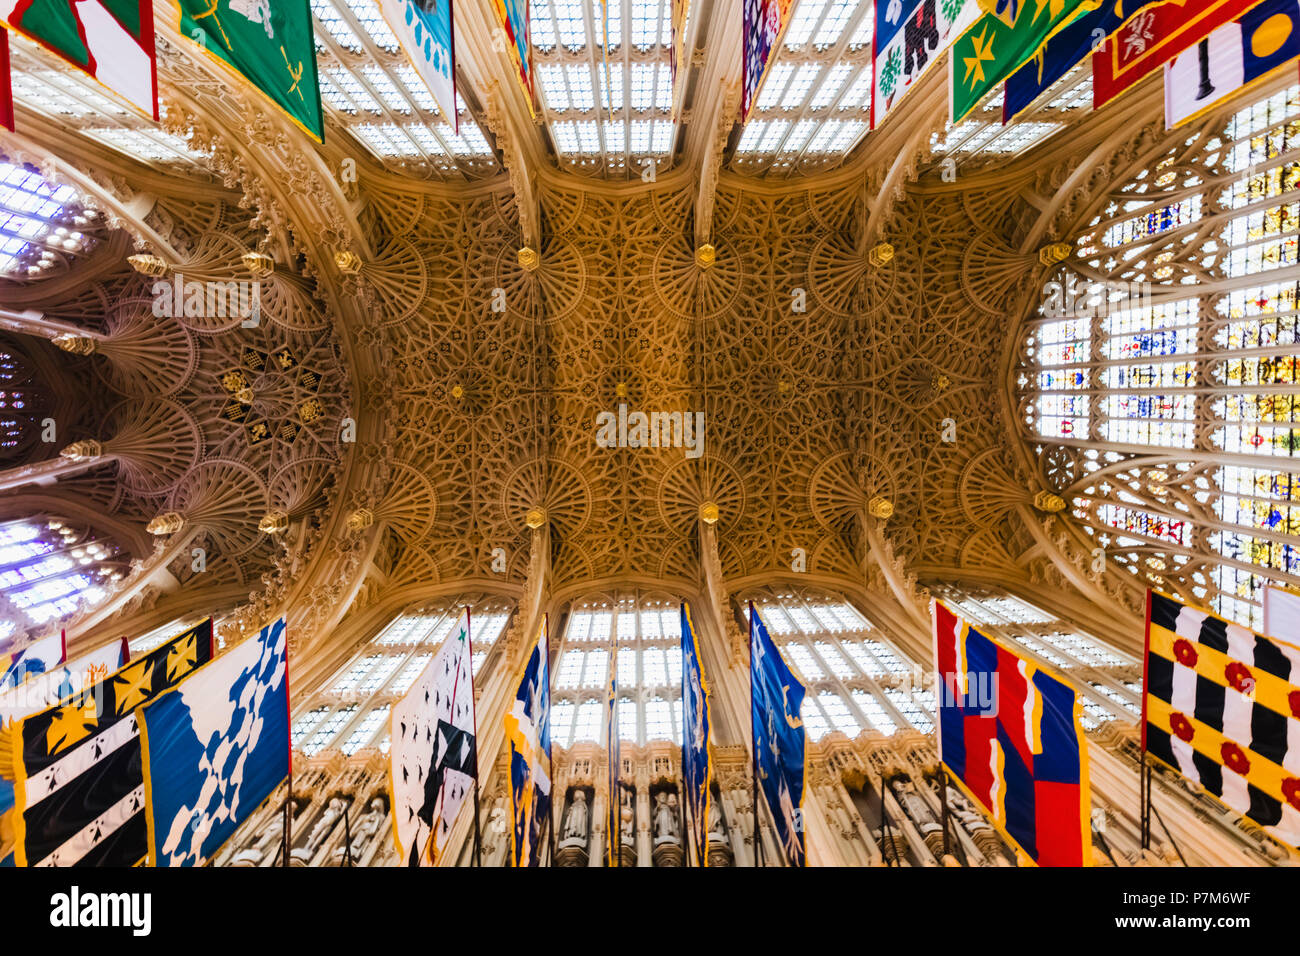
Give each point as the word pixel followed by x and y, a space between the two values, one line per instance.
pixel 833 331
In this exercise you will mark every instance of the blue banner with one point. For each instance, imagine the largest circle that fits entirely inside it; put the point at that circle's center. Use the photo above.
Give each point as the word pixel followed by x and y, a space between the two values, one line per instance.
pixel 1063 51
pixel 777 699
pixel 215 748
pixel 424 29
pixel 697 768
pixel 611 743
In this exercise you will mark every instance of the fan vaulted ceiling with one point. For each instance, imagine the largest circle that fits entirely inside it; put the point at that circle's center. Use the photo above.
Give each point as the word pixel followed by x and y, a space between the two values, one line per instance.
pixel 746 279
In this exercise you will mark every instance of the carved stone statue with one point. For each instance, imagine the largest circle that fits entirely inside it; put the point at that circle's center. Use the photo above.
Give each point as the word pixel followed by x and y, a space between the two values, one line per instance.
pixel 964 812
pixel 914 805
pixel 667 826
pixel 273 833
pixel 331 815
pixel 575 825
pixel 717 828
pixel 267 841
pixel 374 817
pixel 626 816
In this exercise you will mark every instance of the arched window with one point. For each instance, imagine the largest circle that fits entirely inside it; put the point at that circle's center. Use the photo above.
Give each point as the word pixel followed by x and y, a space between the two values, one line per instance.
pixel 855 679
pixel 349 712
pixel 647 633
pixel 51 568
pixel 39 223
pixel 19 401
pixel 1158 377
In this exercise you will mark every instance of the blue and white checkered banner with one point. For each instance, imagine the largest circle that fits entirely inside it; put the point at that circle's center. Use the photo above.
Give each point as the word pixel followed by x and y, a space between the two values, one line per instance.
pixel 215 748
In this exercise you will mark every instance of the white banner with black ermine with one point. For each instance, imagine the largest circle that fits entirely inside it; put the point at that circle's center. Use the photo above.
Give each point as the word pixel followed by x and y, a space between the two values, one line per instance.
pixel 433 756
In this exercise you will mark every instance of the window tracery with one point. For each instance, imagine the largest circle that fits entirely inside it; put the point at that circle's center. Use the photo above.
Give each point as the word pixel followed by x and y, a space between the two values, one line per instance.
pixel 349 711
pixel 68 97
pixel 600 126
pixel 41 225
pixel 856 679
pixel 647 633
pixel 1158 374
pixel 51 568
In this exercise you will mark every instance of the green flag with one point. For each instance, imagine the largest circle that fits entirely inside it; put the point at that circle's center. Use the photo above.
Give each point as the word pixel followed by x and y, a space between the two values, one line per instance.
pixel 269 44
pixel 1008 34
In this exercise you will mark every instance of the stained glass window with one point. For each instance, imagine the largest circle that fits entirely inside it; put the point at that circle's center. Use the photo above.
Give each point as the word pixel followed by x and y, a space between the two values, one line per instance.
pixel 1182 336
pixel 38 222
pixel 51 568
pixel 19 401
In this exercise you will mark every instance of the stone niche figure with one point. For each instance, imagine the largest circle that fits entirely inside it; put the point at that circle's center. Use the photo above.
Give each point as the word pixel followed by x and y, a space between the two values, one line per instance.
pixel 369 824
pixel 717 827
pixel 273 834
pixel 964 812
pixel 915 806
pixel 268 842
pixel 626 817
pixel 718 845
pixel 667 824
pixel 332 813
pixel 744 814
pixel 575 824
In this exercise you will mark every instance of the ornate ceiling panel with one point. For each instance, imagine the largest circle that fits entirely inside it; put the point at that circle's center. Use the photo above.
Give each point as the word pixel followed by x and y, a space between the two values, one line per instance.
pixel 824 382
pixel 188 413
pixel 843 339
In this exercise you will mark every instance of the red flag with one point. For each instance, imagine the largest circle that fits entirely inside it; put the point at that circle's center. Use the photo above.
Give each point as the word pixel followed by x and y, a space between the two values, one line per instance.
pixel 1010 737
pixel 6 91
pixel 1152 38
